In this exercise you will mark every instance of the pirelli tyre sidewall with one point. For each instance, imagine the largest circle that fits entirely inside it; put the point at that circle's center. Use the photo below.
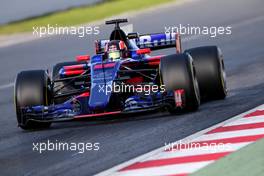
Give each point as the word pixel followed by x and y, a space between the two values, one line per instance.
pixel 177 72
pixel 209 64
pixel 31 88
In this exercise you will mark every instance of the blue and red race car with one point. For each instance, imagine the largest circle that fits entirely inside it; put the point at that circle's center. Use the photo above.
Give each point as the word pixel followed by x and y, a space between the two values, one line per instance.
pixel 121 78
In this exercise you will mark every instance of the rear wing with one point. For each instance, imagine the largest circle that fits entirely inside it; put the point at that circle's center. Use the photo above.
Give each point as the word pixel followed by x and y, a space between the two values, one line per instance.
pixel 159 41
pixel 153 41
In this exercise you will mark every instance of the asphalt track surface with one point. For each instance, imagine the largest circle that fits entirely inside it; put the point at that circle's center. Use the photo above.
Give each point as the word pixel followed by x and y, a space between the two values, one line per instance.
pixel 124 139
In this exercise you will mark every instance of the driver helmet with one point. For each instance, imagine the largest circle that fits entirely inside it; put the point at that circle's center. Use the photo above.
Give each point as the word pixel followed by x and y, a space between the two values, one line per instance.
pixel 115 49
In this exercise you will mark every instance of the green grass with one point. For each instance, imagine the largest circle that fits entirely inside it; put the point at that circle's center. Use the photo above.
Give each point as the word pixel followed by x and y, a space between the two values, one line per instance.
pixel 80 15
pixel 247 161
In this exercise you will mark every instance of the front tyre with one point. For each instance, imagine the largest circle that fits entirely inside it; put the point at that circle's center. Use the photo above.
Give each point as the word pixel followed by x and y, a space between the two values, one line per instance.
pixel 32 88
pixel 177 72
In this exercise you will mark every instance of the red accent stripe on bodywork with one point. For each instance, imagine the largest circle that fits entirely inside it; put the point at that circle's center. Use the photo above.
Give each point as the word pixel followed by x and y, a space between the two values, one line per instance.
pixel 100 66
pixel 73 72
pixel 178 43
pixel 86 94
pixel 143 51
pixel 96 115
pixel 154 60
pixel 82 58
pixel 178 97
pixel 74 67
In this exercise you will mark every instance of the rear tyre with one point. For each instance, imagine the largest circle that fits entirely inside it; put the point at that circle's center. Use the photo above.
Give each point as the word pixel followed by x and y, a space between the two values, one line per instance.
pixel 32 88
pixel 210 69
pixel 177 72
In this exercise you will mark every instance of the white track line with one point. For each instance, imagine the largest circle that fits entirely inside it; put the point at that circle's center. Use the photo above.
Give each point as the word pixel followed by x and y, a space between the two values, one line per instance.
pixel 230 134
pixel 5 86
pixel 164 170
pixel 197 151
pixel 245 121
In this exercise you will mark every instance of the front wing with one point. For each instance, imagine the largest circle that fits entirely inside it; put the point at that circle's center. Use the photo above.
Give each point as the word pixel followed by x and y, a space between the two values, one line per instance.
pixel 76 108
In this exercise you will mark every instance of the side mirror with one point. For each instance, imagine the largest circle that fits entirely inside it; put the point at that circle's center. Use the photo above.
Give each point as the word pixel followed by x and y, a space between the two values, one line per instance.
pixel 82 58
pixel 143 51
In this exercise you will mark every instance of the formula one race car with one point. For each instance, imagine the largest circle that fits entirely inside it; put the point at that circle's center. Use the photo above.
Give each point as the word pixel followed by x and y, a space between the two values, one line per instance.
pixel 121 78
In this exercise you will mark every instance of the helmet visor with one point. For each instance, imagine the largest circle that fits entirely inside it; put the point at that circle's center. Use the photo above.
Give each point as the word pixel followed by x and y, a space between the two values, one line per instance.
pixel 114 55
